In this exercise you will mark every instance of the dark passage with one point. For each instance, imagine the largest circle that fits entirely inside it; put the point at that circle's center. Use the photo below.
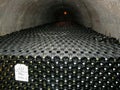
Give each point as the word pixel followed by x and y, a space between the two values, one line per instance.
pixel 64 15
pixel 64 12
pixel 60 56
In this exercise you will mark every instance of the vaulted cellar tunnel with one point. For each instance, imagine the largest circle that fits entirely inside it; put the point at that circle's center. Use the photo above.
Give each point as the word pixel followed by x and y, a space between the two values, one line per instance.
pixel 59 45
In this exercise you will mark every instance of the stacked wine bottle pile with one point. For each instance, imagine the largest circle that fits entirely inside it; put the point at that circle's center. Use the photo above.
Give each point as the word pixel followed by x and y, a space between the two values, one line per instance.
pixel 60 58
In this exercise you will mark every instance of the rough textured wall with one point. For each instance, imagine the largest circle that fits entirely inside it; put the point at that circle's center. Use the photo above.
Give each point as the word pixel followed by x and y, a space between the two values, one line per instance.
pixel 105 16
pixel 20 14
pixel 102 15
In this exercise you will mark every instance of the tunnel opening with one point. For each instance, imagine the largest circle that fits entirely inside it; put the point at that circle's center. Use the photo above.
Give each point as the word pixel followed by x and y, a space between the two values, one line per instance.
pixel 64 13
pixel 64 16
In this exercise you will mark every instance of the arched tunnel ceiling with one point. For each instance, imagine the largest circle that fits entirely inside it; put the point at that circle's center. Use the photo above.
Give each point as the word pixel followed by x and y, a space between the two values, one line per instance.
pixel 102 15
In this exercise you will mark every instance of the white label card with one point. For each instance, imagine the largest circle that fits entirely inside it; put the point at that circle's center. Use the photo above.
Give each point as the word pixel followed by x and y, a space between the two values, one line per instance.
pixel 21 72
